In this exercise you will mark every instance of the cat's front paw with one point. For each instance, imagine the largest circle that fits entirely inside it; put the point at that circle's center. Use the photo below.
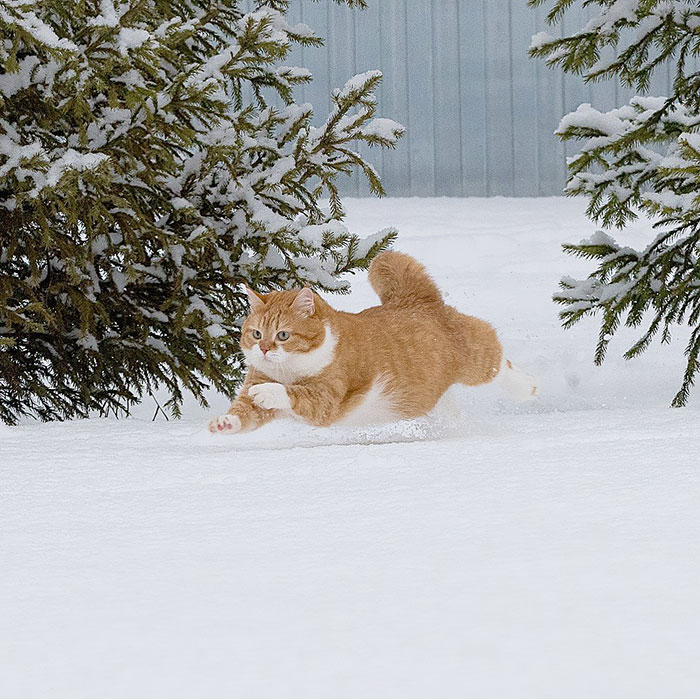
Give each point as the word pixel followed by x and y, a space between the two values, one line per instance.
pixel 271 396
pixel 225 424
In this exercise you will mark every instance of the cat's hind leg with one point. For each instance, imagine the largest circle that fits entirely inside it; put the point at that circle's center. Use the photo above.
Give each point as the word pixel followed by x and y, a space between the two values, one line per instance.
pixel 518 383
pixel 483 361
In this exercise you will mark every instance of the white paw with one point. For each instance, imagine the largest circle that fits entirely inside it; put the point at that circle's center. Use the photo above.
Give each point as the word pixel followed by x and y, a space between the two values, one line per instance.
pixel 226 424
pixel 271 396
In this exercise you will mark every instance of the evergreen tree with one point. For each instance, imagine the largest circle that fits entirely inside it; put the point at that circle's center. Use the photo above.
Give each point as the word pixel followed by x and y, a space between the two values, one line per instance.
pixel 140 187
pixel 641 157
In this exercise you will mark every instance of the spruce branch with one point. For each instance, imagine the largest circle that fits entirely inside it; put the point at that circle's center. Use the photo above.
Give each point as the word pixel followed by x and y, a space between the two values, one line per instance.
pixel 640 158
pixel 152 158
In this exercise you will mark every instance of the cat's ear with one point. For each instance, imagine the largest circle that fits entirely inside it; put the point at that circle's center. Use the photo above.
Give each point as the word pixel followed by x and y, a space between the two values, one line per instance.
pixel 304 302
pixel 256 301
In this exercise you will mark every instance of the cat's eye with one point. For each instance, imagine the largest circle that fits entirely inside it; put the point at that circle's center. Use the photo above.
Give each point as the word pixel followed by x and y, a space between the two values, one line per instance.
pixel 257 334
pixel 282 335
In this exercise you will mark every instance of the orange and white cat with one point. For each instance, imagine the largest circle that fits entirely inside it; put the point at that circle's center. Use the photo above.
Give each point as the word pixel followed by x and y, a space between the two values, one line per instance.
pixel 388 362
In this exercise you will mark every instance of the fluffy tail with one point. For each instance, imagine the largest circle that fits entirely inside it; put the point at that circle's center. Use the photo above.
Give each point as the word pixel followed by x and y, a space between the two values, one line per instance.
pixel 398 277
pixel 519 384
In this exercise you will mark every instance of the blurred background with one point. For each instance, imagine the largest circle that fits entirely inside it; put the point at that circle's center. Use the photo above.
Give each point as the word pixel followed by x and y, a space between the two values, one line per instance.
pixel 480 113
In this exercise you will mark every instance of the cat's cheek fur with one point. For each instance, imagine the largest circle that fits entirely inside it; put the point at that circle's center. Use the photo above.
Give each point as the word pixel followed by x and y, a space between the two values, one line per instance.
pixel 313 362
pixel 271 396
pixel 250 358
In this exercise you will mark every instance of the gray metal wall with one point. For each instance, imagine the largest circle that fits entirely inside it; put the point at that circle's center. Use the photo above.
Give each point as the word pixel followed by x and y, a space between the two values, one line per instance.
pixel 480 113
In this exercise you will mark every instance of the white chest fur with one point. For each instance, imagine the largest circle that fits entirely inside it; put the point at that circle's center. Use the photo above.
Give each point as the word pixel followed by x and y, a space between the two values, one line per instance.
pixel 375 408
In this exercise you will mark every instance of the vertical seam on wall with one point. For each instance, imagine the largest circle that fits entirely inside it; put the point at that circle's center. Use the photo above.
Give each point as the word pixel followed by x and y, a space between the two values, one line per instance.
pixel 358 173
pixel 329 79
pixel 432 92
pixel 462 184
pixel 562 144
pixel 408 97
pixel 562 108
pixel 616 82
pixel 586 18
pixel 536 68
pixel 302 51
pixel 512 89
pixel 486 106
pixel 381 100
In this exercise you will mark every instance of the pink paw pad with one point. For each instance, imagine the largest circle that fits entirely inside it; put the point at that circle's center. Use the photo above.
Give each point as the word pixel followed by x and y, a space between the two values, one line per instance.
pixel 225 423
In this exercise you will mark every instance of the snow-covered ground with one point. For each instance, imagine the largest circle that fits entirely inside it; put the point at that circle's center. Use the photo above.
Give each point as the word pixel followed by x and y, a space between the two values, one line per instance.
pixel 490 550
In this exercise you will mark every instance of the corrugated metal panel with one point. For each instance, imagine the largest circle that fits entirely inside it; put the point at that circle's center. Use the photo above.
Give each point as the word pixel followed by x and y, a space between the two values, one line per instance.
pixel 480 113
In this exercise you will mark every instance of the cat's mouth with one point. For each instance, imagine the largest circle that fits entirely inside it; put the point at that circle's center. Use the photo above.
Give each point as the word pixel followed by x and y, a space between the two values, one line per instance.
pixel 272 358
pixel 266 361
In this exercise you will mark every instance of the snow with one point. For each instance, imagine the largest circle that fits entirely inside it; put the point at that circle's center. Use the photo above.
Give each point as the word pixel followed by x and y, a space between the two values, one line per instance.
pixel 88 341
pixel 357 83
pixel 365 245
pixel 383 128
pixel 21 79
pixel 692 139
pixel 525 551
pixel 587 117
pixel 213 66
pixel 69 160
pixel 617 11
pixel 540 39
pixel 30 23
pixel 130 38
pixel 109 16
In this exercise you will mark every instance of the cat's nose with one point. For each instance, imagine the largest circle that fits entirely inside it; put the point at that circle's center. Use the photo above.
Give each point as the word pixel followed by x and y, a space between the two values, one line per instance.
pixel 264 347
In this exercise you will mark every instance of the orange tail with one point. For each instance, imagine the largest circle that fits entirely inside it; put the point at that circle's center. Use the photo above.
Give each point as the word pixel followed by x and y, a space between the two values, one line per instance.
pixel 399 278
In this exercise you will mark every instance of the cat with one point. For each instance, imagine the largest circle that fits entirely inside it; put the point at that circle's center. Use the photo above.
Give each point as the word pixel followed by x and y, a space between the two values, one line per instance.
pixel 388 362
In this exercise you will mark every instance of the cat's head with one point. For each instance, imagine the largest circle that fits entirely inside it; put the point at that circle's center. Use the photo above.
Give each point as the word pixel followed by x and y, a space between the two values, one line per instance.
pixel 285 336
